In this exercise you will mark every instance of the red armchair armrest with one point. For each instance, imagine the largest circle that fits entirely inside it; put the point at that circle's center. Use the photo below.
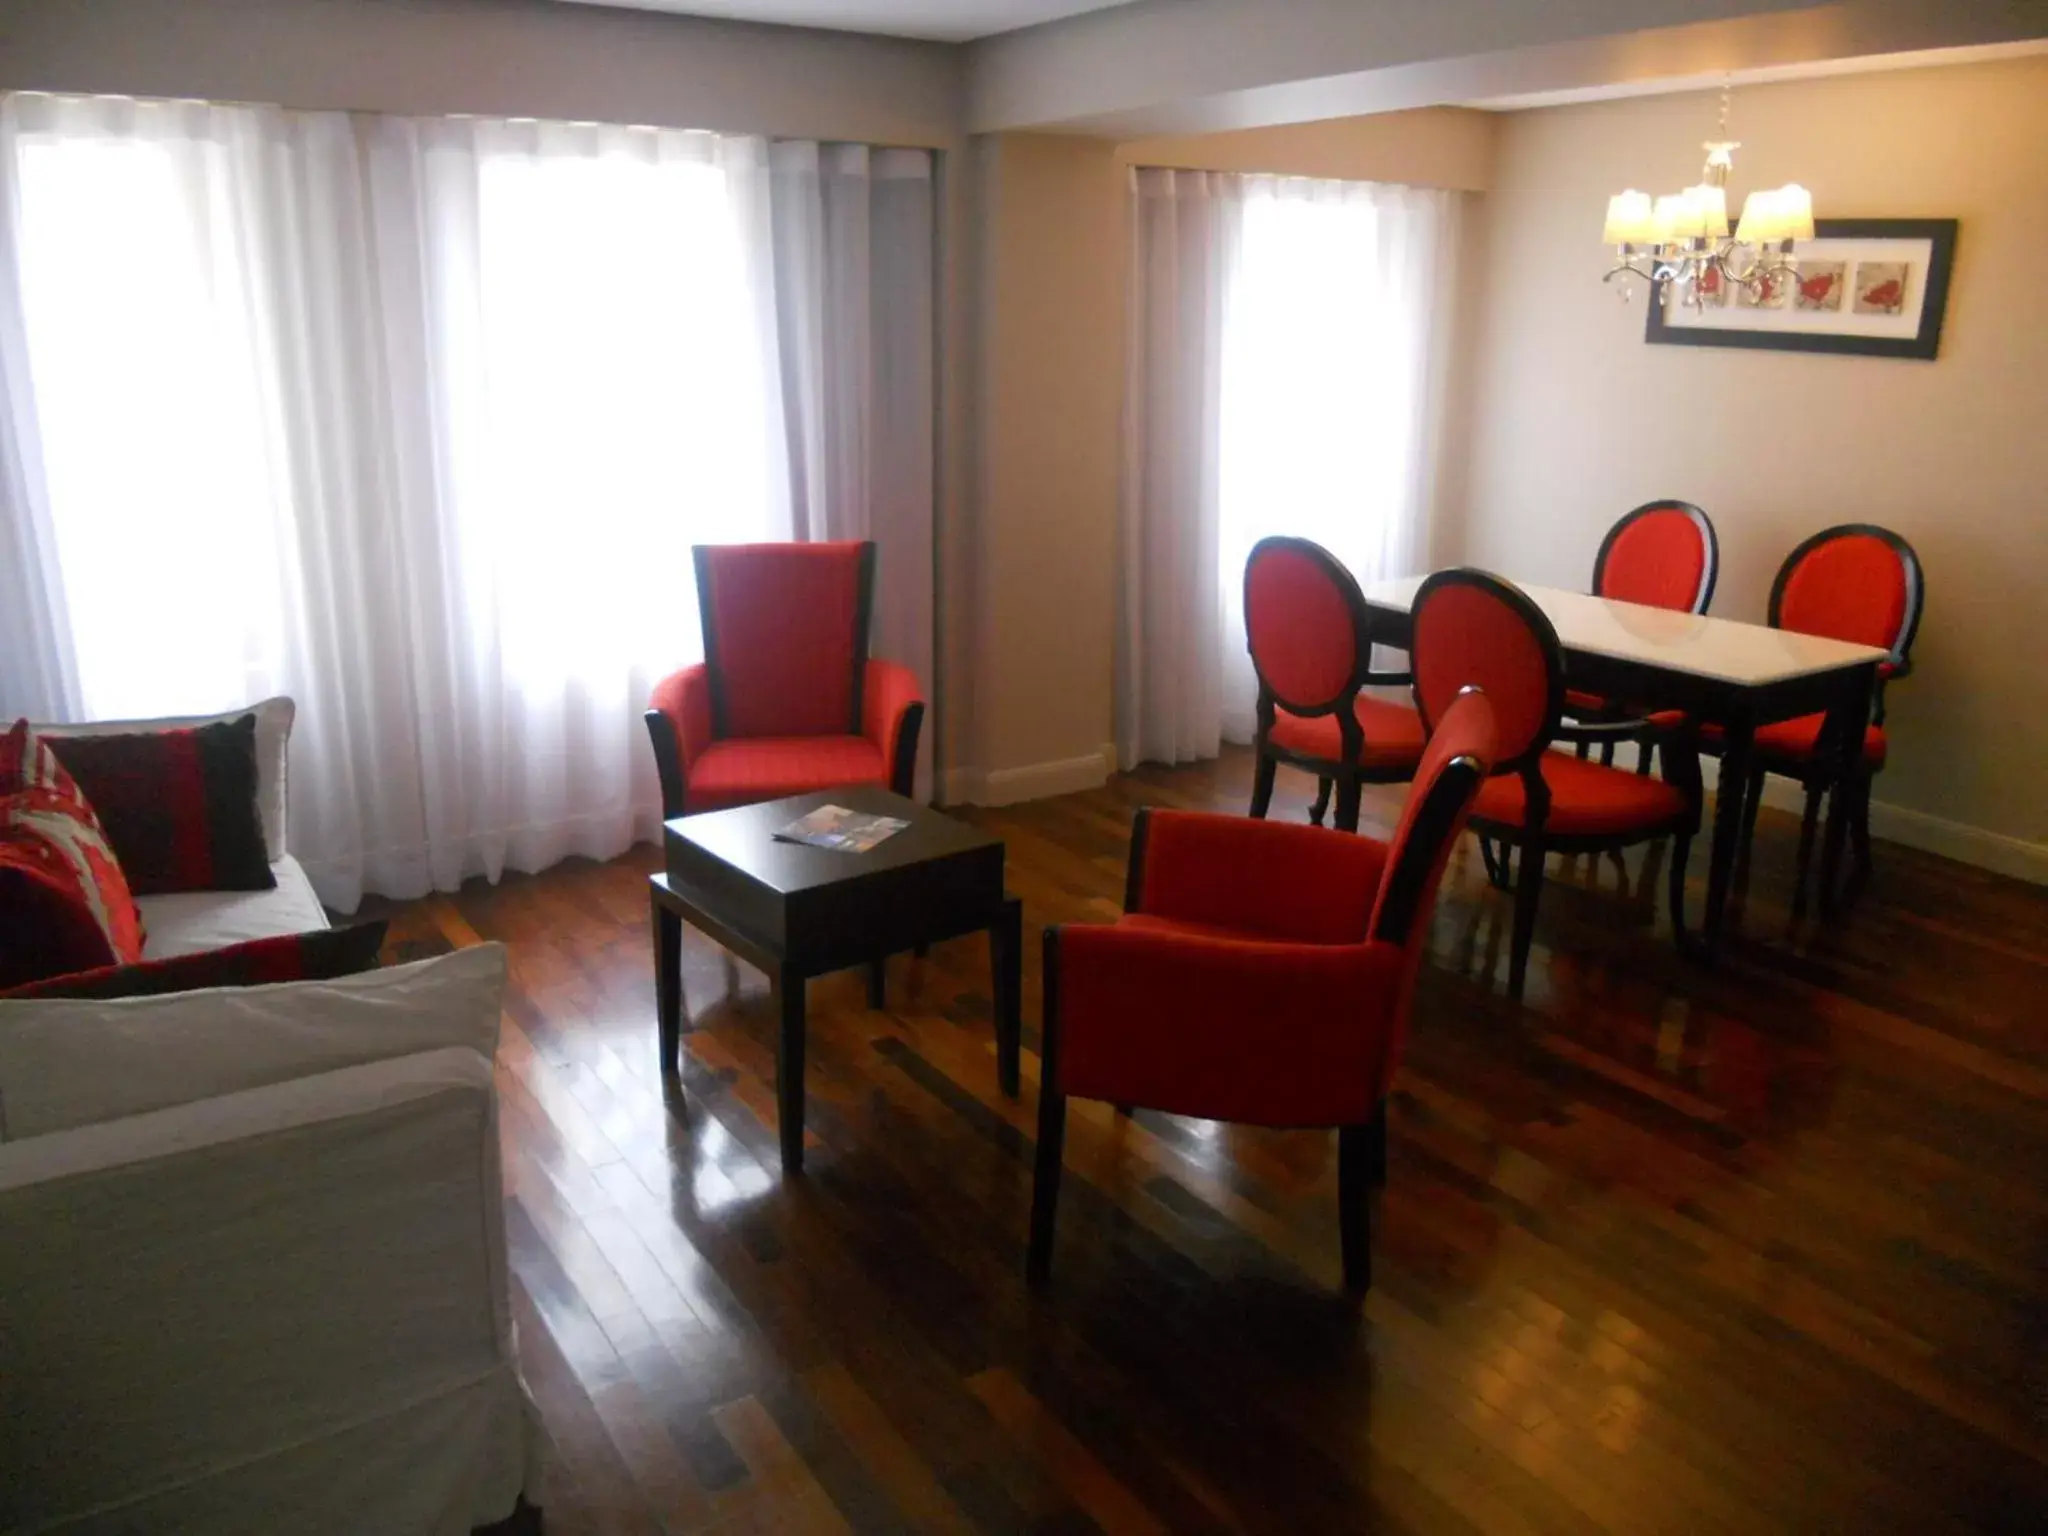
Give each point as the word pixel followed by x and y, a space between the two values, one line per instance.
pixel 892 713
pixel 1307 884
pixel 1224 1029
pixel 679 724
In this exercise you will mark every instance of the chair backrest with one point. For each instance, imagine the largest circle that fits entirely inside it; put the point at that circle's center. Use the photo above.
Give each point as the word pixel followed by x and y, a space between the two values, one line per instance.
pixel 1305 625
pixel 1472 629
pixel 1854 582
pixel 1664 554
pixel 785 635
pixel 1458 759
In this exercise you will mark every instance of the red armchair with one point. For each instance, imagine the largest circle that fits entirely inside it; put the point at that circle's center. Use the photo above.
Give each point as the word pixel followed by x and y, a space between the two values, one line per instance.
pixel 786 699
pixel 1261 973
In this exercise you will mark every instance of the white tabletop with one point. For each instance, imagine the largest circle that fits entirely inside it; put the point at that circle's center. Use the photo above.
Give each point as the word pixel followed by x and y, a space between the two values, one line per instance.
pixel 1724 649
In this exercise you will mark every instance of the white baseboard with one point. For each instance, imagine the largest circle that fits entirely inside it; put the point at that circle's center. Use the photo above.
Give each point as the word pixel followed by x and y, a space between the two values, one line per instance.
pixel 1034 781
pixel 1958 840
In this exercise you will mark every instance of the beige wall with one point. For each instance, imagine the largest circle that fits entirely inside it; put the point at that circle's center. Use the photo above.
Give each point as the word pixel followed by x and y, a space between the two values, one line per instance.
pixel 1433 147
pixel 1048 360
pixel 1575 419
pixel 531 58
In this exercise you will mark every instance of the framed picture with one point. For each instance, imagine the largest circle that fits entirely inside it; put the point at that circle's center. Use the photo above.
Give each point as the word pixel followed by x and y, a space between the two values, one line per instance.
pixel 1868 287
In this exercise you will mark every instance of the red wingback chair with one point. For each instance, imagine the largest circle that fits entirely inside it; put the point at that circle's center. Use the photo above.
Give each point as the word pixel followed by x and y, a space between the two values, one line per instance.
pixel 786 699
pixel 1261 973
pixel 1664 554
pixel 1855 582
pixel 1306 626
pixel 1472 627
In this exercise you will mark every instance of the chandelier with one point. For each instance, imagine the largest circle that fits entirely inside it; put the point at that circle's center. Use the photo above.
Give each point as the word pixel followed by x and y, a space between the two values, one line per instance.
pixel 1682 238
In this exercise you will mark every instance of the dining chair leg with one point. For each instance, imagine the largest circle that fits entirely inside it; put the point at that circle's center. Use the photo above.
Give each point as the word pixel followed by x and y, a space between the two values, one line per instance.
pixel 1321 808
pixel 1752 800
pixel 1498 869
pixel 1355 1156
pixel 1350 794
pixel 1606 754
pixel 1262 787
pixel 1859 830
pixel 1585 750
pixel 1809 822
pixel 1681 849
pixel 1528 889
pixel 1645 752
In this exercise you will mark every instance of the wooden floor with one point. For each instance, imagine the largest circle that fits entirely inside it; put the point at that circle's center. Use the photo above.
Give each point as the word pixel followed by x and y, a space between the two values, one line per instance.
pixel 1759 1248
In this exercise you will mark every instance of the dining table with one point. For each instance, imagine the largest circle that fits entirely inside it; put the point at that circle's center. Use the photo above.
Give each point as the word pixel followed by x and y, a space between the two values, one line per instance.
pixel 1719 672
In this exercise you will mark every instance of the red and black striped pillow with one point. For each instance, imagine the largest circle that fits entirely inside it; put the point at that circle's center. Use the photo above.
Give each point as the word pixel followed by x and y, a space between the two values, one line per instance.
pixel 179 806
pixel 317 956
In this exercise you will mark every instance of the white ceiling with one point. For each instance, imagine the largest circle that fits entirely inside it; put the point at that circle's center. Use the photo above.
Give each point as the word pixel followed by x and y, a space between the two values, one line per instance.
pixel 945 21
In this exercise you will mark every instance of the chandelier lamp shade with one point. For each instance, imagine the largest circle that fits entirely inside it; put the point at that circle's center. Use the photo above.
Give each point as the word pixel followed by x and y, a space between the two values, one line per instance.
pixel 1683 238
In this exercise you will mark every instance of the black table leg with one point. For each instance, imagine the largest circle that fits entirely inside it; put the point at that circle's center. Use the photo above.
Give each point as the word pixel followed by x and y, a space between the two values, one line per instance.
pixel 1728 801
pixel 1006 960
pixel 878 983
pixel 668 982
pixel 1842 744
pixel 789 1067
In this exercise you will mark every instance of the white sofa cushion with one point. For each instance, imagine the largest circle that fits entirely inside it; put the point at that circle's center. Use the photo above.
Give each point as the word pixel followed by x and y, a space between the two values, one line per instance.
pixel 73 1062
pixel 187 922
pixel 280 1310
pixel 273 754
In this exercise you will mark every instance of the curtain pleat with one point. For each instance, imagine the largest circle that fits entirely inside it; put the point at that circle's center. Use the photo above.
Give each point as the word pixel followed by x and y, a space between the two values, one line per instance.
pixel 416 420
pixel 1286 341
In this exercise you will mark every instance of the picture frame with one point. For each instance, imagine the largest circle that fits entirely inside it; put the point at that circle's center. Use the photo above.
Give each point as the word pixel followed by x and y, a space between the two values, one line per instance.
pixel 1867 288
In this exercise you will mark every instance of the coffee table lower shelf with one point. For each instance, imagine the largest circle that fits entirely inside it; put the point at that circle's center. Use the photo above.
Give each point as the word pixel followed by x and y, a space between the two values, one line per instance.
pixel 671 907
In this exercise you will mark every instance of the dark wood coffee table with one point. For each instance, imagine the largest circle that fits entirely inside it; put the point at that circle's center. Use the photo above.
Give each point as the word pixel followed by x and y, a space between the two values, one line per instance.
pixel 798 912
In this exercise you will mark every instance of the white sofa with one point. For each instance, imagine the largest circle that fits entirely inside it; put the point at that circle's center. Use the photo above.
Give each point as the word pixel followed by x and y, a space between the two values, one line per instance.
pixel 252 1261
pixel 190 921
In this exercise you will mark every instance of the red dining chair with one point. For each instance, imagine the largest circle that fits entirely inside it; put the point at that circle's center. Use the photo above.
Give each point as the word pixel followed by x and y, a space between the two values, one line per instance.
pixel 1261 973
pixel 1306 626
pixel 786 699
pixel 1854 582
pixel 1472 627
pixel 1663 554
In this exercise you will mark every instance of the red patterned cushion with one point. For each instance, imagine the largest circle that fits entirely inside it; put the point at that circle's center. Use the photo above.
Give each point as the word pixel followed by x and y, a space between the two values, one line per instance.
pixel 770 767
pixel 1585 799
pixel 27 762
pixel 1393 735
pixel 179 806
pixel 256 962
pixel 67 905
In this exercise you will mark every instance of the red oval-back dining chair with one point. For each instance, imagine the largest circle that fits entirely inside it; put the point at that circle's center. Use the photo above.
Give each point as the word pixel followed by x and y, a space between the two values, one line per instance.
pixel 786 699
pixel 1261 973
pixel 1306 626
pixel 1663 554
pixel 1472 627
pixel 1855 582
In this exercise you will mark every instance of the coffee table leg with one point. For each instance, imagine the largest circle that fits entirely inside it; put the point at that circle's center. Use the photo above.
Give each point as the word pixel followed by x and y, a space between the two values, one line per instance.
pixel 789 1068
pixel 668 983
pixel 1006 959
pixel 1728 801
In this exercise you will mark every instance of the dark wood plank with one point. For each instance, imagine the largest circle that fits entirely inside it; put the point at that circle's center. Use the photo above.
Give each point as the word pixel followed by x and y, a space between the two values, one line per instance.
pixel 1751 1248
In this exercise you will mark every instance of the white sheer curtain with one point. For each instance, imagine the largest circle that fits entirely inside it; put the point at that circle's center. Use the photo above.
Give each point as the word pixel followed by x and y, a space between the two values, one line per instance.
pixel 1287 339
pixel 415 420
